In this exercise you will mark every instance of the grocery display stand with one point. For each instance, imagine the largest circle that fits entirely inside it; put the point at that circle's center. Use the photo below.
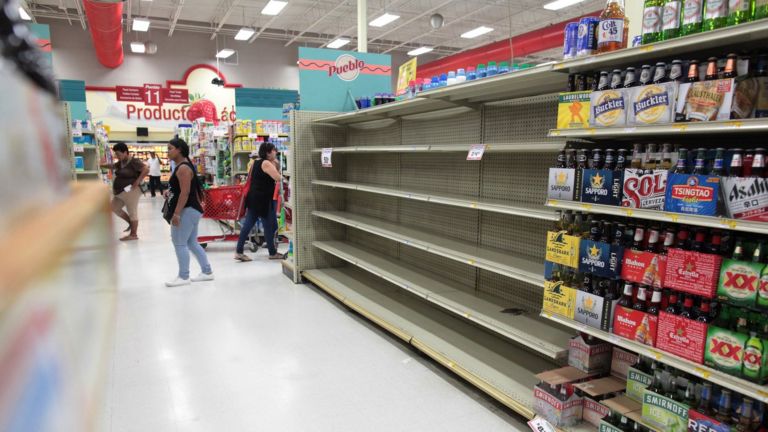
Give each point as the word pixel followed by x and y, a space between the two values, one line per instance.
pixel 440 250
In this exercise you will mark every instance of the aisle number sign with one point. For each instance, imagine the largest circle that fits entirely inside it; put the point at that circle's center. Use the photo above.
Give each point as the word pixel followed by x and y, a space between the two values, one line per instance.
pixel 476 152
pixel 325 157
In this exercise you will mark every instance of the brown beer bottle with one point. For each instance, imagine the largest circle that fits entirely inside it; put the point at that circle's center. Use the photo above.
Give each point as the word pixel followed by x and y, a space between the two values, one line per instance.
pixel 640 302
pixel 711 69
pixel 655 306
pixel 737 164
pixel 730 66
pixel 758 164
pixel 626 297
pixel 693 72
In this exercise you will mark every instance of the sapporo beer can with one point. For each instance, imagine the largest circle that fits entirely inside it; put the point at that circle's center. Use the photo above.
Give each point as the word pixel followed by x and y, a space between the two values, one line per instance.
pixel 587 40
pixel 569 45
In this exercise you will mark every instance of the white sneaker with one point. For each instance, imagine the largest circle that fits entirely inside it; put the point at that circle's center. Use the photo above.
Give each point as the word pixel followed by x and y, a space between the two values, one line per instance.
pixel 177 282
pixel 203 277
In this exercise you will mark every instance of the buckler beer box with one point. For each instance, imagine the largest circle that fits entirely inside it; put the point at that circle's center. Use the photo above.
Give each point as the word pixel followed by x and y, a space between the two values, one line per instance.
pixel 559 299
pixel 573 110
pixel 564 184
pixel 637 382
pixel 692 272
pixel 593 310
pixel 563 249
pixel 600 258
pixel 705 100
pixel 635 325
pixel 652 104
pixel 602 186
pixel 745 198
pixel 725 350
pixel 644 189
pixel 593 392
pixel 682 337
pixel 700 422
pixel 740 282
pixel 608 108
pixel 589 358
pixel 665 413
pixel 645 268
pixel 692 194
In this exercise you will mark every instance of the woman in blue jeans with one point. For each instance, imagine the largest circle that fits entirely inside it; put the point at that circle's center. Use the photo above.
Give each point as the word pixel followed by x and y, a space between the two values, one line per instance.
pixel 259 203
pixel 184 200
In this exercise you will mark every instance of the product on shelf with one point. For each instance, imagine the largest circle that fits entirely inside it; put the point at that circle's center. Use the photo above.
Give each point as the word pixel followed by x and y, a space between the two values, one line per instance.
pixel 613 32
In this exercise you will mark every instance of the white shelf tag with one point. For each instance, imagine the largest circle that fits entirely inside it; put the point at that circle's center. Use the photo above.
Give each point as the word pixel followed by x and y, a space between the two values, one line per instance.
pixel 538 424
pixel 253 135
pixel 77 133
pixel 78 148
pixel 325 158
pixel 476 152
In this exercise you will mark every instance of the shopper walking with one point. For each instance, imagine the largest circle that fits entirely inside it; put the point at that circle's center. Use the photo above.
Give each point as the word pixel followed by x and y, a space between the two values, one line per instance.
pixel 259 203
pixel 185 205
pixel 154 174
pixel 129 173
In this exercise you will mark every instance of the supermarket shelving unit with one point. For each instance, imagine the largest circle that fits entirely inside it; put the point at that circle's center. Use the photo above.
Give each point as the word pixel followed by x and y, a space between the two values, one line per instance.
pixel 447 254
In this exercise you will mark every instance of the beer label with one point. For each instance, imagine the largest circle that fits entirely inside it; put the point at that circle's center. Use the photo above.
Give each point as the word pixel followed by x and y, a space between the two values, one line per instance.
pixel 559 299
pixel 739 282
pixel 637 382
pixel 652 19
pixel 681 336
pixel 762 292
pixel 561 183
pixel 644 190
pixel 671 15
pixel 738 6
pixel 586 43
pixel 644 268
pixel 573 110
pixel 563 249
pixel 608 108
pixel 716 9
pixel 692 12
pixel 600 258
pixel 725 350
pixel 746 198
pixel 698 422
pixel 665 413
pixel 611 30
pixel 692 194
pixel 607 427
pixel 753 359
pixel 601 186
pixel 635 325
pixel 692 272
pixel 653 104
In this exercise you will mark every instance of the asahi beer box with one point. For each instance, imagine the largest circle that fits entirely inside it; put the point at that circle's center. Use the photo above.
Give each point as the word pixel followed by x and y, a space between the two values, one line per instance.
pixel 559 299
pixel 645 268
pixel 573 110
pixel 692 272
pixel 600 258
pixel 652 104
pixel 644 189
pixel 621 361
pixel 593 310
pixel 608 108
pixel 637 382
pixel 564 184
pixel 601 186
pixel 682 337
pixel 635 325
pixel 698 422
pixel 692 194
pixel 563 248
pixel 595 358
pixel 725 350
pixel 739 282
pixel 745 198
pixel 665 413
pixel 706 100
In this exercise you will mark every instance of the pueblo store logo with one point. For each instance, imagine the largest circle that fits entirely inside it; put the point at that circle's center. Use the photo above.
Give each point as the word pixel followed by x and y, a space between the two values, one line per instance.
pixel 347 67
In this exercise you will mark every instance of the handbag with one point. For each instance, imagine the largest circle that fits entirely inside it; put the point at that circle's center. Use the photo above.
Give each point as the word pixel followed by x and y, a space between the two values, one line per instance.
pixel 167 210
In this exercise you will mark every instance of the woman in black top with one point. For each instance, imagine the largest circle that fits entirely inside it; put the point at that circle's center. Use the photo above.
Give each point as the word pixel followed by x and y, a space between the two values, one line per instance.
pixel 184 201
pixel 258 201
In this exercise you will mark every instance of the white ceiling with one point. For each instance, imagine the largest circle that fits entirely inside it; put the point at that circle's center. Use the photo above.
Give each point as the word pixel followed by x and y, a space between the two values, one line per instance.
pixel 317 22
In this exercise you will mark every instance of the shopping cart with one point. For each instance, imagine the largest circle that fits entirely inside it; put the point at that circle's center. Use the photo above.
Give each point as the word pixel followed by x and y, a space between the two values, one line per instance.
pixel 223 204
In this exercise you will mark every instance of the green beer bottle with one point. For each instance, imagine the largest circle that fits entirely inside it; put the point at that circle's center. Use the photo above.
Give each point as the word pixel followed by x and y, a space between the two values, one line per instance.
pixel 652 10
pixel 691 17
pixel 670 19
pixel 762 290
pixel 753 358
pixel 740 11
pixel 715 14
pixel 761 9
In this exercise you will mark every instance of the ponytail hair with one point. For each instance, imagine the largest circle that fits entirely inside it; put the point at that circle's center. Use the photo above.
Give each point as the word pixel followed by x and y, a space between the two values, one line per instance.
pixel 181 145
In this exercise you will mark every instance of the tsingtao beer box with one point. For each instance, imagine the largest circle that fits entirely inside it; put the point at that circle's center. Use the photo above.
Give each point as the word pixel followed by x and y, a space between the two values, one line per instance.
pixel 608 108
pixel 601 186
pixel 652 104
pixel 745 198
pixel 644 189
pixel 564 184
pixel 692 194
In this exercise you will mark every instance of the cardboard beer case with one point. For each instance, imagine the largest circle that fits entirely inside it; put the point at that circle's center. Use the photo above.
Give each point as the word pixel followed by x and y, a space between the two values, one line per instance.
pixel 705 100
pixel 692 272
pixel 593 392
pixel 644 189
pixel 600 258
pixel 593 310
pixel 692 194
pixel 682 337
pixel 608 108
pixel 563 248
pixel 637 382
pixel 602 186
pixel 564 184
pixel 635 325
pixel 556 411
pixel 594 358
pixel 665 413
pixel 739 282
pixel 699 422
pixel 725 350
pixel 745 198
pixel 573 110
pixel 559 299
pixel 621 361
pixel 652 104
pixel 645 268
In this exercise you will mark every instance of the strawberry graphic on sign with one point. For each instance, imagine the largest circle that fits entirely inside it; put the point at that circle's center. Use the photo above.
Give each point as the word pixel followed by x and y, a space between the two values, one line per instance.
pixel 202 108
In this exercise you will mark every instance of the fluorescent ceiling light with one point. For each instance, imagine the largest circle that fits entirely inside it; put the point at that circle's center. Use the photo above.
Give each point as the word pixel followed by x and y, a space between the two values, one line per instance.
pixel 559 4
pixel 245 33
pixel 274 7
pixel 338 43
pixel 384 20
pixel 476 32
pixel 420 51
pixel 225 53
pixel 24 15
pixel 138 47
pixel 140 24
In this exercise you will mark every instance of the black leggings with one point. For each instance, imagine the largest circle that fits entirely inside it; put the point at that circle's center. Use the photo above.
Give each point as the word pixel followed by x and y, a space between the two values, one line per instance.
pixel 155 184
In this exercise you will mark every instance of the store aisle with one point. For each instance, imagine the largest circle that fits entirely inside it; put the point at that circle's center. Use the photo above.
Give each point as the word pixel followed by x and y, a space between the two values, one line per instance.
pixel 253 352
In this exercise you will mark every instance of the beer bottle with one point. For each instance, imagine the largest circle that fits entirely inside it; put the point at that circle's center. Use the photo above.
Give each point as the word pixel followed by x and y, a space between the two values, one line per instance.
pixel 724 318
pixel 630 78
pixel 745 417
pixel 691 17
pixel 586 283
pixel 610 159
pixel 660 73
pixel 666 157
pixel 655 306
pixel 693 72
pixel 701 161
pixel 594 231
pixel 758 164
pixel 640 302
pixel 652 13
pixel 629 236
pixel 596 81
pixel 626 297
pixel 669 241
pixel 582 82
pixel 705 403
pixel 682 239
pixel 637 243
pixel 687 311
pixel 704 312
pixel 737 164
pixel 738 250
pixel 711 68
pixel 581 159
pixel 715 14
pixel 740 11
pixel 637 156
pixel 670 17
pixel 606 231
pixel 752 369
pixel 761 9
pixel 624 424
pixel 610 291
pixel 578 225
pixel 676 71
pixel 597 159
pixel 599 287
pixel 604 82
pixel 723 414
pixel 570 158
pixel 730 66
pixel 618 234
pixel 672 303
pixel 715 244
pixel 758 256
pixel 645 75
pixel 749 158
pixel 657 384
pixel 613 30
pixel 571 83
pixel 650 157
pixel 718 168
pixel 672 389
pixel 742 325
pixel 616 79
pixel 621 160
pixel 682 162
pixel 699 241
pixel 690 394
pixel 653 240
pixel 560 159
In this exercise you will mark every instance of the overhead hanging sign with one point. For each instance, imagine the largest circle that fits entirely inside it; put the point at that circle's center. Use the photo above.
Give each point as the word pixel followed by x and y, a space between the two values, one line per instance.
pixel 405 75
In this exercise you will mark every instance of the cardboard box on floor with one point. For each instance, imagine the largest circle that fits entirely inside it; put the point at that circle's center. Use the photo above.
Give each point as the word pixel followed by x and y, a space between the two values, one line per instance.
pixel 594 391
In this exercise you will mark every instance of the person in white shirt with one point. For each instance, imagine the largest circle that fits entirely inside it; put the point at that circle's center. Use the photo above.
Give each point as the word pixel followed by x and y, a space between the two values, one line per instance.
pixel 154 174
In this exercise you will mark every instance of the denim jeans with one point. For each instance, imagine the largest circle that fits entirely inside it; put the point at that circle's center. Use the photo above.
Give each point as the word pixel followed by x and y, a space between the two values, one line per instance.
pixel 270 228
pixel 184 239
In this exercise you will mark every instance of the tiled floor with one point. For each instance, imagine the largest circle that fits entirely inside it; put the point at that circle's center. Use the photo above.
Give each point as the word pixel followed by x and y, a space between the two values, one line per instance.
pixel 253 352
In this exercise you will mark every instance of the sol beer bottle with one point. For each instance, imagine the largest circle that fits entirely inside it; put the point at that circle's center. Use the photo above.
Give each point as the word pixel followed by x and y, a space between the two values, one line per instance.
pixel 715 14
pixel 691 17
pixel 614 27
pixel 652 10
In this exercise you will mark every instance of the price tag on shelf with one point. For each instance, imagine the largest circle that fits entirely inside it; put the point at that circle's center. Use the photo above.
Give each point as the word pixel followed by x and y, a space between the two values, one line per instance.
pixel 586 207
pixel 735 124
pixel 473 205
pixel 538 424
pixel 763 395
pixel 78 148
pixel 325 157
pixel 630 130
pixel 703 373
pixel 646 48
pixel 253 135
pixel 476 152
pixel 273 136
pixel 730 223
pixel 628 212
pixel 680 127
pixel 673 217
pixel 76 133
pixel 655 354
